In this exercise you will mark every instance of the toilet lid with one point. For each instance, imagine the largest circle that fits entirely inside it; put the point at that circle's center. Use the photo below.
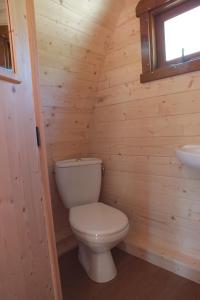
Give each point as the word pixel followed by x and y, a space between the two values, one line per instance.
pixel 97 218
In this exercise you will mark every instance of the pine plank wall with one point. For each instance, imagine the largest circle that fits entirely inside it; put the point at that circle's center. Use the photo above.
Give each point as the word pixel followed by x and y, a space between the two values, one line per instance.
pixel 72 38
pixel 94 104
pixel 136 129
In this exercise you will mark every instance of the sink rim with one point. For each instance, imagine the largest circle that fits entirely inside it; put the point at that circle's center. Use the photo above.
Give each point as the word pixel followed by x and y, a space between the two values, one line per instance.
pixel 190 149
pixel 189 155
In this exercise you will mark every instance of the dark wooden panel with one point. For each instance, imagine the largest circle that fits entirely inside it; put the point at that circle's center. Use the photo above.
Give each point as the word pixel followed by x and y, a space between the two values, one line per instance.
pixel 170 71
pixel 147 5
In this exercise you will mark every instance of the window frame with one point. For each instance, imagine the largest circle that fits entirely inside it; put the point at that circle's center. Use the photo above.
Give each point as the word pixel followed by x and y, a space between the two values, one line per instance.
pixel 154 65
pixel 11 75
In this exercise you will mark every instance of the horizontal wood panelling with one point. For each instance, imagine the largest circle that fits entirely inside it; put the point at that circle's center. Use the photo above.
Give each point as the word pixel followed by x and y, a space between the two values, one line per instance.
pixel 122 57
pixel 154 146
pixel 136 129
pixel 58 96
pixel 56 75
pixel 72 19
pixel 64 63
pixel 130 90
pixel 57 47
pixel 72 40
pixel 181 125
pixel 169 105
pixel 64 33
pixel 152 185
pixel 102 12
pixel 151 165
pixel 169 208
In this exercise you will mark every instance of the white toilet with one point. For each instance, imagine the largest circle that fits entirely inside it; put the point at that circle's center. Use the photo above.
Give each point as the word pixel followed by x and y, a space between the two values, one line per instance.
pixel 97 226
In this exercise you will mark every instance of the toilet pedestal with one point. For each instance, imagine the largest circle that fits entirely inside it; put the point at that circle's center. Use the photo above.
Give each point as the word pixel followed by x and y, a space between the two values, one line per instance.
pixel 99 266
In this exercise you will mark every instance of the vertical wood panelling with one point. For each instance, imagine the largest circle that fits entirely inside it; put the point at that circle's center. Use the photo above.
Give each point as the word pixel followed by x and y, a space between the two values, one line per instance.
pixel 136 129
pixel 72 38
pixel 25 264
pixel 43 155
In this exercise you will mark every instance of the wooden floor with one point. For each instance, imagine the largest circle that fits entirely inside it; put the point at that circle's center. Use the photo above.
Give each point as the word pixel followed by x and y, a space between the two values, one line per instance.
pixel 136 280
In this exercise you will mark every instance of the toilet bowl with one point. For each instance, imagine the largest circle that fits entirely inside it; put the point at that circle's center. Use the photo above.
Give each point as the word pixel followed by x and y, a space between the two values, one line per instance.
pixel 98 227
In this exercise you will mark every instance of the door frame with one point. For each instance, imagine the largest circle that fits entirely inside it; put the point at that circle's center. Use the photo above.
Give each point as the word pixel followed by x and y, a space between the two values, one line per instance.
pixel 42 152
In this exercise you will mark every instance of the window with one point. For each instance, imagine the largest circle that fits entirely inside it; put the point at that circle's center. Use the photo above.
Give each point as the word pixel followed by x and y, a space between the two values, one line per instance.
pixel 9 70
pixel 170 37
pixel 5 50
pixel 181 34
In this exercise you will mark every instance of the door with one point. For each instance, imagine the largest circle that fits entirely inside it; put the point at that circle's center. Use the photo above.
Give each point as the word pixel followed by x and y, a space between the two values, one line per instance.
pixel 28 263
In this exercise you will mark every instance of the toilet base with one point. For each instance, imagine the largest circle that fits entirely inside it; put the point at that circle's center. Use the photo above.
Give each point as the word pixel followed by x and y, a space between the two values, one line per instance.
pixel 99 266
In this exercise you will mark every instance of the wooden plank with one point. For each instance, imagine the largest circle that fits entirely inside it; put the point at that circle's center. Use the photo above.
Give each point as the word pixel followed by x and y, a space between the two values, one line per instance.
pixel 43 156
pixel 129 182
pixel 180 125
pixel 60 14
pixel 56 47
pixel 64 33
pixel 136 129
pixel 149 165
pixel 72 40
pixel 26 254
pixel 133 90
pixel 139 146
pixel 169 105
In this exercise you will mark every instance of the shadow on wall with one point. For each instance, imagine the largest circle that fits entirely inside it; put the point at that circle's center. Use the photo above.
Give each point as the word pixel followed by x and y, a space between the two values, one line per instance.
pixel 72 38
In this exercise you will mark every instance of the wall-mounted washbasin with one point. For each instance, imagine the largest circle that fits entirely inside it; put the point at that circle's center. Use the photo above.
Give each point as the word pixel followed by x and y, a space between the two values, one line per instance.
pixel 189 155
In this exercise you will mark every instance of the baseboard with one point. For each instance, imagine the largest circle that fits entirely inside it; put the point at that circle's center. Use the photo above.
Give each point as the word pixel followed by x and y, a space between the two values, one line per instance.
pixel 65 245
pixel 178 263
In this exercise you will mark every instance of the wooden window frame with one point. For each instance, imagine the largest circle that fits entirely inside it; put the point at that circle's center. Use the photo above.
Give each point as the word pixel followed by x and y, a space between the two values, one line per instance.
pixel 11 75
pixel 154 66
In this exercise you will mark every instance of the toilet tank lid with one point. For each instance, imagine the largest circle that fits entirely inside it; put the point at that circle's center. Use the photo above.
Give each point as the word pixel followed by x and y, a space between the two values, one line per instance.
pixel 78 162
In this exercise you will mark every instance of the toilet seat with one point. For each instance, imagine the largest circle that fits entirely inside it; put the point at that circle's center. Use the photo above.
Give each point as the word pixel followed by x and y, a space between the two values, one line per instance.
pixel 97 219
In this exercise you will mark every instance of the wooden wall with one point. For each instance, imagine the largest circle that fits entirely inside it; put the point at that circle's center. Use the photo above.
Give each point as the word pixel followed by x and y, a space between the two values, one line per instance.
pixel 3 13
pixel 72 36
pixel 136 129
pixel 26 260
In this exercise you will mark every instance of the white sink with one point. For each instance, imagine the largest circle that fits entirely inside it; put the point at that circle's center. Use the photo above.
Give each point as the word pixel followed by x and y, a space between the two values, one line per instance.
pixel 189 155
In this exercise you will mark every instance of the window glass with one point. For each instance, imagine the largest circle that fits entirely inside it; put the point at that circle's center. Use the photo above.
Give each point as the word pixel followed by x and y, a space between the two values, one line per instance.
pixel 182 34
